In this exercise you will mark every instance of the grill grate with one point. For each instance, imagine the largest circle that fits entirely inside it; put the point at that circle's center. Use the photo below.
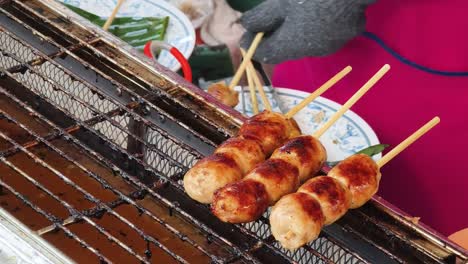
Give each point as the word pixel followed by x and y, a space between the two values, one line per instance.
pixel 108 120
pixel 92 151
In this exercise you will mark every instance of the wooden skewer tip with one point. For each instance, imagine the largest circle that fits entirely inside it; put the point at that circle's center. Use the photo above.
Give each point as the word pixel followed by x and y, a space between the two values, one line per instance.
pixel 247 58
pixel 407 142
pixel 322 89
pixel 360 93
pixel 112 16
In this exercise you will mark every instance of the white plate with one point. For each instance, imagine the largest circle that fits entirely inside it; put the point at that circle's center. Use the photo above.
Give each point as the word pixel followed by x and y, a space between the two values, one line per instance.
pixel 180 32
pixel 347 136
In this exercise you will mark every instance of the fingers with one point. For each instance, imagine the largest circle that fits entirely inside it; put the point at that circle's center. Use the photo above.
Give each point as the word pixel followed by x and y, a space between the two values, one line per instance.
pixel 247 39
pixel 264 18
pixel 276 47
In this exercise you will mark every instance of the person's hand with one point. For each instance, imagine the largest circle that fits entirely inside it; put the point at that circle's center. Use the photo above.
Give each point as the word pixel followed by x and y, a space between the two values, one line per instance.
pixel 299 28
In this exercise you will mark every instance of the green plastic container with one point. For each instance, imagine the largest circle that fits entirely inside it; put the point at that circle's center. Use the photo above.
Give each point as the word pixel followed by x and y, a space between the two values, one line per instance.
pixel 243 5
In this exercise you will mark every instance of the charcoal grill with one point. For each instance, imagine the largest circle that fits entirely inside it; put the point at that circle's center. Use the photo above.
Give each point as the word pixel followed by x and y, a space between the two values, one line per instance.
pixel 94 141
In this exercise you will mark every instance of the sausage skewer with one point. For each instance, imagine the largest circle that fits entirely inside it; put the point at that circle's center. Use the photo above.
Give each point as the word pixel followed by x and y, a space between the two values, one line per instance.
pixel 298 160
pixel 298 218
pixel 258 137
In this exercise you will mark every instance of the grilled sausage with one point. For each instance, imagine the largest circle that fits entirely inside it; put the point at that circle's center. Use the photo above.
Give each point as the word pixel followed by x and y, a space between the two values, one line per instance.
pixel 224 94
pixel 280 175
pixel 296 219
pixel 333 197
pixel 240 201
pixel 293 128
pixel 306 153
pixel 246 152
pixel 237 156
pixel 210 174
pixel 360 174
pixel 350 184
pixel 270 129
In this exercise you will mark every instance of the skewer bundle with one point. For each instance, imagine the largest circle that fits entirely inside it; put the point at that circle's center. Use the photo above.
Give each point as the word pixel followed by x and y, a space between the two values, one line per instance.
pixel 298 160
pixel 244 184
pixel 258 137
pixel 298 218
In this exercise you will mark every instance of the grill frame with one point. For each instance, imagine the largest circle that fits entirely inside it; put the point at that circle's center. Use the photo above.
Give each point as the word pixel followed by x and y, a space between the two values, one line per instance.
pixel 198 114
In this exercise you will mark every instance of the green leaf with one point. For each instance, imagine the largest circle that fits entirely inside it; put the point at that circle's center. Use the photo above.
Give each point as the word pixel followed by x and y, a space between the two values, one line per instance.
pixel 373 150
pixel 332 164
pixel 135 31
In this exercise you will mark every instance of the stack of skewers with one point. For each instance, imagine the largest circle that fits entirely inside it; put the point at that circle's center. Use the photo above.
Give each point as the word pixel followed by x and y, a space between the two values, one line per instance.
pixel 241 182
pixel 269 163
pixel 269 159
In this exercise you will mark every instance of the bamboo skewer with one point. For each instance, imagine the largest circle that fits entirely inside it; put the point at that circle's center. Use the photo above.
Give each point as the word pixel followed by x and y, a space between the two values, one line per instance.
pixel 112 16
pixel 247 58
pixel 319 92
pixel 366 87
pixel 250 68
pixel 407 142
pixel 261 91
pixel 50 228
pixel 253 93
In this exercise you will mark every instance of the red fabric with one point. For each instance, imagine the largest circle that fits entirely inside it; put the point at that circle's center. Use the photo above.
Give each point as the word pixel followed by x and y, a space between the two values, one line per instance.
pixel 430 178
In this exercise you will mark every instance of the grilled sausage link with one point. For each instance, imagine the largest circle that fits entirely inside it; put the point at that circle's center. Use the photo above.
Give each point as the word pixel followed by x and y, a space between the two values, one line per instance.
pixel 298 159
pixel 361 175
pixel 334 198
pixel 306 153
pixel 229 163
pixel 352 182
pixel 296 219
pixel 269 129
pixel 237 156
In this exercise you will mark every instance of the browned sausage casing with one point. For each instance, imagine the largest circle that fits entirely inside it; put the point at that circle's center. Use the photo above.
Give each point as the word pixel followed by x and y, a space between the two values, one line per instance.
pixel 269 129
pixel 333 197
pixel 239 155
pixel 296 219
pixel 298 159
pixel 360 174
pixel 306 153
pixel 348 185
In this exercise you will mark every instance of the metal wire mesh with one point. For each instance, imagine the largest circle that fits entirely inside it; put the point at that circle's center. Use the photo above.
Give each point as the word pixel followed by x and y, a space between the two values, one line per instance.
pixel 173 150
pixel 52 83
pixel 43 75
pixel 55 84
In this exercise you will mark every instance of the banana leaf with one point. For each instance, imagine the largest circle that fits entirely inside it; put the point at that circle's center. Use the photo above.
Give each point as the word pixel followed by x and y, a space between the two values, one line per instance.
pixel 374 150
pixel 370 151
pixel 135 31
